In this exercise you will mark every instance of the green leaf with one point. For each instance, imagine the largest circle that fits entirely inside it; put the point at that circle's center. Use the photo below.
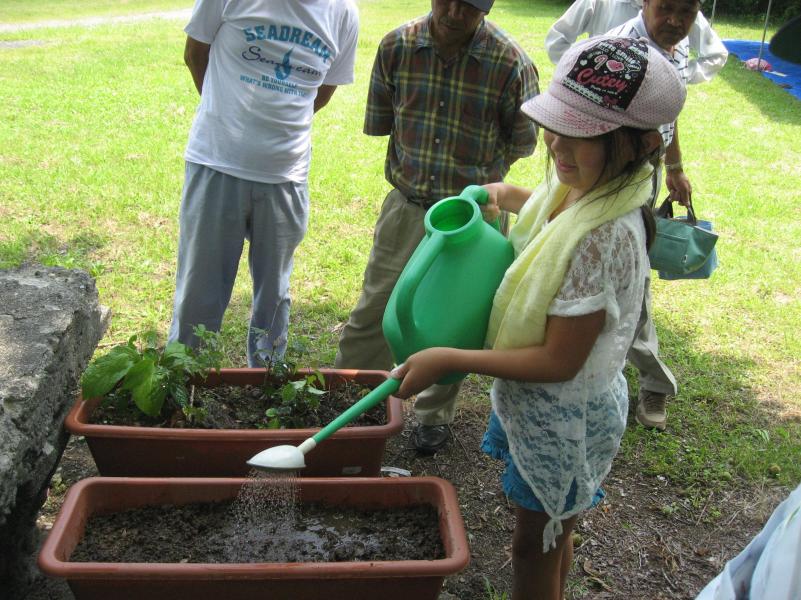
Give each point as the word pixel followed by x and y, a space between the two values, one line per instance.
pixel 179 393
pixel 175 352
pixel 288 392
pixel 151 354
pixel 104 372
pixel 151 404
pixel 141 382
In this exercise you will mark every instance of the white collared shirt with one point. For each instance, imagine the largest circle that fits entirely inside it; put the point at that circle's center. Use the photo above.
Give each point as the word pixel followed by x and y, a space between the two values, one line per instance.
pixel 679 58
pixel 596 17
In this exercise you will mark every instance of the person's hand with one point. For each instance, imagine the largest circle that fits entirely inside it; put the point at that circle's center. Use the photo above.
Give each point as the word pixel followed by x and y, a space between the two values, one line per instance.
pixel 679 187
pixel 421 370
pixel 491 210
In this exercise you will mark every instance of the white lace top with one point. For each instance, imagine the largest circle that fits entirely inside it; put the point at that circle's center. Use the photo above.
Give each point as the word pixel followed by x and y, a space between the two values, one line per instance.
pixel 561 432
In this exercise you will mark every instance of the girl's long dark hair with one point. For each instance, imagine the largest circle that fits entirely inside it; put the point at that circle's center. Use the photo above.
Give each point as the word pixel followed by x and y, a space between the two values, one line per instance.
pixel 613 141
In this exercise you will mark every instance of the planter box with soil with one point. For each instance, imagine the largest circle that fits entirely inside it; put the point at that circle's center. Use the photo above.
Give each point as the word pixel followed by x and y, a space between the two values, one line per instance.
pixel 138 451
pixel 387 558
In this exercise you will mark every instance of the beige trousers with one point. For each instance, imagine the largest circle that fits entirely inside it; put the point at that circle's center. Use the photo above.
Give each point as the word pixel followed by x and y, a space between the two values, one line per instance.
pixel 398 231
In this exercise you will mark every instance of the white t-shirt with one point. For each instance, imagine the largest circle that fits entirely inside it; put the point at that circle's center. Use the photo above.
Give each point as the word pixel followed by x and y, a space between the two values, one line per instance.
pixel 267 60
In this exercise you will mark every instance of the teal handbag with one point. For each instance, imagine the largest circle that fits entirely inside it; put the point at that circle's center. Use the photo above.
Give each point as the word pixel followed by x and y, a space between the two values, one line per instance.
pixel 683 248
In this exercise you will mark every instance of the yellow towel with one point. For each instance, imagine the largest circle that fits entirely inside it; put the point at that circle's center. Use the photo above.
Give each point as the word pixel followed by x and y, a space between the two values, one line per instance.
pixel 543 254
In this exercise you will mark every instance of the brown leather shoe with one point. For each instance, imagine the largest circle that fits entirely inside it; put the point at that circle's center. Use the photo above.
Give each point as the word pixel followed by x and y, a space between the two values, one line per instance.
pixel 651 412
pixel 428 439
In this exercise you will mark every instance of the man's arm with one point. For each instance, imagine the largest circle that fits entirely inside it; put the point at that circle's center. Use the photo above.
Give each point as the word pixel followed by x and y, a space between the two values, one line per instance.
pixel 196 57
pixel 710 52
pixel 379 114
pixel 324 93
pixel 567 28
pixel 677 183
pixel 518 132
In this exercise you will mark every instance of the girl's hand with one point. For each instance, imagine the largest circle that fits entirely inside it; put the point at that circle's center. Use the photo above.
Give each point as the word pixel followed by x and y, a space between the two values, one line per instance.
pixel 421 370
pixel 492 209
pixel 503 196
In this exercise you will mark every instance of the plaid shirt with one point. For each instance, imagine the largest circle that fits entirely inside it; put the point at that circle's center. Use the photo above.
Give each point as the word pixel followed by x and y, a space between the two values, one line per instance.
pixel 451 124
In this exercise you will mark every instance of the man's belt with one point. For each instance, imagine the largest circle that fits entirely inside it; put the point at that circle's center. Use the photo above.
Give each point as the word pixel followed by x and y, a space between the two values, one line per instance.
pixel 423 203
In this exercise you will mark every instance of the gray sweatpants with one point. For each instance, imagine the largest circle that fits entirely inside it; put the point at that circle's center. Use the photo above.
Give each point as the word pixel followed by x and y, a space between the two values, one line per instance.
pixel 218 212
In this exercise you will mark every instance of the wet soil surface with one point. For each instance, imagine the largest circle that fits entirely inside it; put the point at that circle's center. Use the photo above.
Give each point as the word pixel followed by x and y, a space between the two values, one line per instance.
pixel 643 542
pixel 227 532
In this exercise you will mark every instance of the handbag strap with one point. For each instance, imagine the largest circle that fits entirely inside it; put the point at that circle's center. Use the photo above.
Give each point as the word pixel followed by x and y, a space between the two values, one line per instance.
pixel 665 211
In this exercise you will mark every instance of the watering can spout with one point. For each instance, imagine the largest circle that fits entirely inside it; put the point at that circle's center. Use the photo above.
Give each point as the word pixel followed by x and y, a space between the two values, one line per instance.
pixel 291 458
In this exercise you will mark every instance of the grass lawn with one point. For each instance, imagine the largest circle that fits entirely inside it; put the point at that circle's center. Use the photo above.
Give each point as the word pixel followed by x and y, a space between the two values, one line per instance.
pixel 93 123
pixel 25 11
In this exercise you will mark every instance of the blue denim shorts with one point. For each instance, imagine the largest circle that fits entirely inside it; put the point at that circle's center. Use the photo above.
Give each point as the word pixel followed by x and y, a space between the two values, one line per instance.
pixel 514 486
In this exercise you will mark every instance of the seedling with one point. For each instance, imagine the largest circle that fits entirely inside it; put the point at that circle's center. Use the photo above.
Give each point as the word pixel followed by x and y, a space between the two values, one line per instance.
pixel 155 379
pixel 297 396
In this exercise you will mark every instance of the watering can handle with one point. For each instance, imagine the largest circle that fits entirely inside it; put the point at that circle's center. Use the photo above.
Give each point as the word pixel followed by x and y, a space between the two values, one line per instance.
pixel 408 285
pixel 479 195
pixel 374 398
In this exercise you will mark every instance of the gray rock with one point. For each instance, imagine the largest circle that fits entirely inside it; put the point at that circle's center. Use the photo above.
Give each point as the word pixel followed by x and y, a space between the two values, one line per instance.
pixel 50 324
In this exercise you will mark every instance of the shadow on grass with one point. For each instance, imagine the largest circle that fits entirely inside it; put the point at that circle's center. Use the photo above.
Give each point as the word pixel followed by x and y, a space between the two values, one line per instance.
pixel 774 103
pixel 52 251
pixel 719 429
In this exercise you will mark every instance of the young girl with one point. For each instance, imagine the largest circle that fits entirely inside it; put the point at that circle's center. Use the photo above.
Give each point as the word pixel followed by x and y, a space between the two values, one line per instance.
pixel 565 314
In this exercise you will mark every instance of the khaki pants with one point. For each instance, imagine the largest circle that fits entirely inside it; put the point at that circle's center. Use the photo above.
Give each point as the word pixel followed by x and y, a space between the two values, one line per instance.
pixel 644 352
pixel 398 232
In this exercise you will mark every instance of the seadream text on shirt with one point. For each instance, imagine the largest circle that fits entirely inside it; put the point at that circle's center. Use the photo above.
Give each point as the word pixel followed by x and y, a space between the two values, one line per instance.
pixel 293 35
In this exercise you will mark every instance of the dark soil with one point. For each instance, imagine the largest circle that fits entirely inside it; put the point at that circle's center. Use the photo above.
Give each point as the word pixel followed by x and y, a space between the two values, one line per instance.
pixel 244 407
pixel 221 532
pixel 643 542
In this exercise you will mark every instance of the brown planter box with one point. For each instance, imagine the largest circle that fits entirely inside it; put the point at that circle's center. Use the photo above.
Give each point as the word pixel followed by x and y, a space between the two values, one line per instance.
pixel 387 580
pixel 121 451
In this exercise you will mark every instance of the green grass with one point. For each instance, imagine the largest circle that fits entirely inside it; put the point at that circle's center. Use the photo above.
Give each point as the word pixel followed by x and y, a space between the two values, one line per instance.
pixel 93 123
pixel 25 11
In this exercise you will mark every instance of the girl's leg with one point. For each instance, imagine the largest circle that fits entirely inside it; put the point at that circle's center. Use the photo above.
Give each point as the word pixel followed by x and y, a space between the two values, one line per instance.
pixel 539 575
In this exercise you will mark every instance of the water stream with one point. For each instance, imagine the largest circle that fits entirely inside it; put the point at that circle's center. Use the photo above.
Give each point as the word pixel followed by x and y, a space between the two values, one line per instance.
pixel 265 510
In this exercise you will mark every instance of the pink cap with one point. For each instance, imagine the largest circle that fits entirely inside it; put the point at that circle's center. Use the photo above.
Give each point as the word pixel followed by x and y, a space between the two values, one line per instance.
pixel 607 82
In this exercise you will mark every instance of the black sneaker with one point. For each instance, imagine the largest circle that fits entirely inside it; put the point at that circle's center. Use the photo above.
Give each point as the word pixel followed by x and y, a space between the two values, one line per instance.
pixel 428 439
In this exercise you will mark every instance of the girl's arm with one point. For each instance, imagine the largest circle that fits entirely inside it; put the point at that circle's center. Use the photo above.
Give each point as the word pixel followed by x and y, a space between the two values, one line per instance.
pixel 568 342
pixel 503 196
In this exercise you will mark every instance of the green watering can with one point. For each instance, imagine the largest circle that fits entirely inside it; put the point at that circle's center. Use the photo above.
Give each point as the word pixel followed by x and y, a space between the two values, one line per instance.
pixel 444 295
pixel 442 298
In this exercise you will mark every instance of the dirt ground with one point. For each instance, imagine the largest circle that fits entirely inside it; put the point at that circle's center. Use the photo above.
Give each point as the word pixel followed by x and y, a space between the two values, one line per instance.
pixel 642 542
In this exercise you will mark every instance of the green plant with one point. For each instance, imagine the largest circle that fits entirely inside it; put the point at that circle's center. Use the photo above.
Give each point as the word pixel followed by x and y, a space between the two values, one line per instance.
pixel 155 379
pixel 297 395
pixel 492 593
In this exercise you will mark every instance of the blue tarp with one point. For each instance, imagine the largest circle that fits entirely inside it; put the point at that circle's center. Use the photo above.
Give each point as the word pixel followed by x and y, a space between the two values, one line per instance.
pixel 784 73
